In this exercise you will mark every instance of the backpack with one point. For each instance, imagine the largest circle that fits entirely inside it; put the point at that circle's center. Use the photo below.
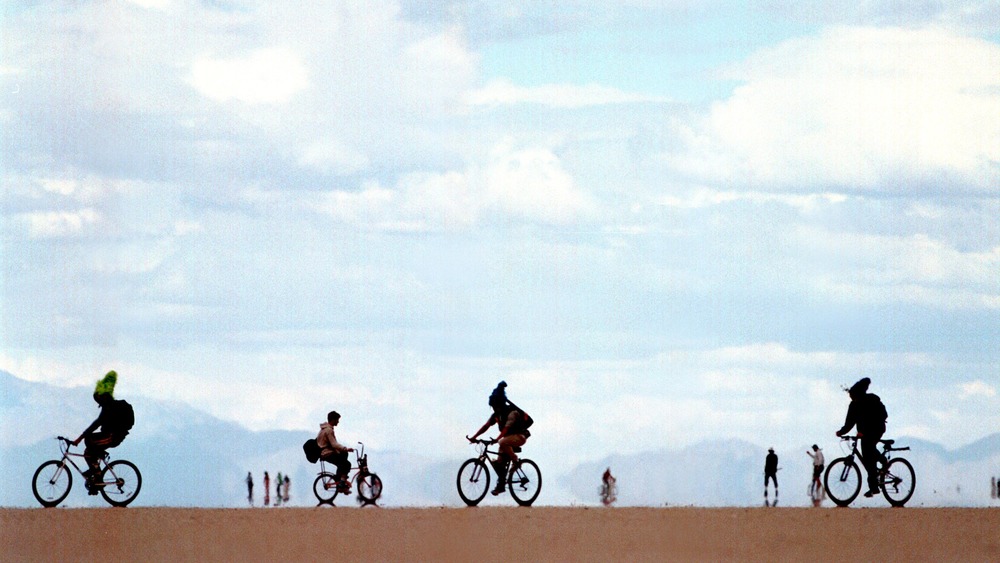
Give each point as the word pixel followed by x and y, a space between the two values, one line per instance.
pixel 120 417
pixel 311 449
pixel 526 421
pixel 879 413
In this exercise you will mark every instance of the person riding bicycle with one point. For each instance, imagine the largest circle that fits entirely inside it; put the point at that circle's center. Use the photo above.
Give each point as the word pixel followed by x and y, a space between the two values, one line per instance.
pixel 333 451
pixel 869 414
pixel 513 432
pixel 115 421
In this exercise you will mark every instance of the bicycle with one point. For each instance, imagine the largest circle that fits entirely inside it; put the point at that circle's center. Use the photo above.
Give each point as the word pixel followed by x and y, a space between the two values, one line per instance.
pixel 326 487
pixel 524 478
pixel 897 480
pixel 117 481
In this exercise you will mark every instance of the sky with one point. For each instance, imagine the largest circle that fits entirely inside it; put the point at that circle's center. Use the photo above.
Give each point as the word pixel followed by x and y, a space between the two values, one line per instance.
pixel 659 222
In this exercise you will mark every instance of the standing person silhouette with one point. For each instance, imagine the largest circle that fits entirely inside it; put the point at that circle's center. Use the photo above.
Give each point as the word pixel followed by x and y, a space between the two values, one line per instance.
pixel 868 413
pixel 818 464
pixel 267 489
pixel 249 481
pixel 771 472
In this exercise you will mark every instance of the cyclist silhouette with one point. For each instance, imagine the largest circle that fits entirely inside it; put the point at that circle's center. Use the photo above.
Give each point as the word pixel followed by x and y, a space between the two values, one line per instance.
pixel 867 413
pixel 114 425
pixel 513 432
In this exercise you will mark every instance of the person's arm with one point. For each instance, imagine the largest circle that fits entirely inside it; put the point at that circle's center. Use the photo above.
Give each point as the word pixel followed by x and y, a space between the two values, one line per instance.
pixel 849 420
pixel 481 430
pixel 93 426
pixel 336 445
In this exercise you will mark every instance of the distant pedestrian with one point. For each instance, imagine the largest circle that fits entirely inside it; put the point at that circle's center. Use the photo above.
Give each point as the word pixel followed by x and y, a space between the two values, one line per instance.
pixel 993 487
pixel 250 488
pixel 287 485
pixel 277 490
pixel 267 489
pixel 771 471
pixel 818 464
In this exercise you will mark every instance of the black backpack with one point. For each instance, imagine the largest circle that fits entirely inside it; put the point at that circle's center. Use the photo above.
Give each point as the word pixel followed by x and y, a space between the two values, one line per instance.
pixel 121 416
pixel 311 449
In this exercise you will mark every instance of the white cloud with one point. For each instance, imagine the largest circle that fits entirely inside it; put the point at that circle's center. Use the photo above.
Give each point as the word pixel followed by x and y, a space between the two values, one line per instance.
pixel 532 183
pixel 527 184
pixel 858 107
pixel 264 76
pixel 57 224
pixel 503 93
pixel 976 388
pixel 909 269
pixel 708 197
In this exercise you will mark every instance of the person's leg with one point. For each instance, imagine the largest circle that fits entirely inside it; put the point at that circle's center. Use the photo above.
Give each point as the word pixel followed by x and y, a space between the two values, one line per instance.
pixel 507 458
pixel 871 455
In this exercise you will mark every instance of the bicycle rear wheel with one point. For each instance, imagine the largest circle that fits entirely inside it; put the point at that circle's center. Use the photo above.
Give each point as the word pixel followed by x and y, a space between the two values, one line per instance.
pixel 843 481
pixel 525 482
pixel 51 483
pixel 369 487
pixel 898 482
pixel 121 482
pixel 473 481
pixel 325 488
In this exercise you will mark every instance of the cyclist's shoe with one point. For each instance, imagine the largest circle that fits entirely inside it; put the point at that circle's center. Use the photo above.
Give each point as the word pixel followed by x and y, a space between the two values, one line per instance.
pixel 498 490
pixel 872 492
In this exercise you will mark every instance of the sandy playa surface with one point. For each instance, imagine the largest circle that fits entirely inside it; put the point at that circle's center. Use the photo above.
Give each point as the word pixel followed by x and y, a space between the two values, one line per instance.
pixel 493 534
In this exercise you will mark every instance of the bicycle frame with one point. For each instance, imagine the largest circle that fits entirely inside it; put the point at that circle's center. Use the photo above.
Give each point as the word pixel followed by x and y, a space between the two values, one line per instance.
pixel 352 475
pixel 887 449
pixel 67 455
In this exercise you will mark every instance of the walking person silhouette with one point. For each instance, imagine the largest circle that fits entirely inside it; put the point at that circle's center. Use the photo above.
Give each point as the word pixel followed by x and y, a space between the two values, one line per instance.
pixel 771 473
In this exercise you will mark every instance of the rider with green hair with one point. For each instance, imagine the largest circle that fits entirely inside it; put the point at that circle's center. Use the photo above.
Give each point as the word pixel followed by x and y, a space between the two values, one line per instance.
pixel 115 421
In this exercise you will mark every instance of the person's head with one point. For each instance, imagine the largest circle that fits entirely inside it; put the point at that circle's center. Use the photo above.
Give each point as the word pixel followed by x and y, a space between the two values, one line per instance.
pixel 333 417
pixel 815 448
pixel 498 398
pixel 770 450
pixel 860 388
pixel 104 392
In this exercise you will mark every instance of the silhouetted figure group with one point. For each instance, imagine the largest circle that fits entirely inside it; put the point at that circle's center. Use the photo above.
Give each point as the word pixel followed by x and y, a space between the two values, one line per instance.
pixel 282 489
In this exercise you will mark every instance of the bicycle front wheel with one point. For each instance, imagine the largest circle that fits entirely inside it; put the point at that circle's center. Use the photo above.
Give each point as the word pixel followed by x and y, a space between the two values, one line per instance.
pixel 325 488
pixel 525 482
pixel 51 483
pixel 369 487
pixel 898 482
pixel 843 481
pixel 121 482
pixel 473 481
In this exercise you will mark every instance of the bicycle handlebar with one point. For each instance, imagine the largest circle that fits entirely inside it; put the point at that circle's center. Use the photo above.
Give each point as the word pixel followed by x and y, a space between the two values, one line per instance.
pixel 489 442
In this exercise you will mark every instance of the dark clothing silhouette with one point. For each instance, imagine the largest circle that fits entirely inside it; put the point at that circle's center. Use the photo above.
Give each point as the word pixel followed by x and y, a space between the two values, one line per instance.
pixel 867 413
pixel 771 463
pixel 771 470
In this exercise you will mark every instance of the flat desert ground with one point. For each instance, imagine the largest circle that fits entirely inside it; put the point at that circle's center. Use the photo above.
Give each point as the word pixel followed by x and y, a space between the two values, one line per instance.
pixel 500 534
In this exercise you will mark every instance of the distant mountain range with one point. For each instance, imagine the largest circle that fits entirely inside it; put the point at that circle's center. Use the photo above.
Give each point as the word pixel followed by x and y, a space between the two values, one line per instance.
pixel 190 458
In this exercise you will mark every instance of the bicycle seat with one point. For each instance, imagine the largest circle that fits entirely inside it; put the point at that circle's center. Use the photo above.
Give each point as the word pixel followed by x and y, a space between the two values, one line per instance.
pixel 888 442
